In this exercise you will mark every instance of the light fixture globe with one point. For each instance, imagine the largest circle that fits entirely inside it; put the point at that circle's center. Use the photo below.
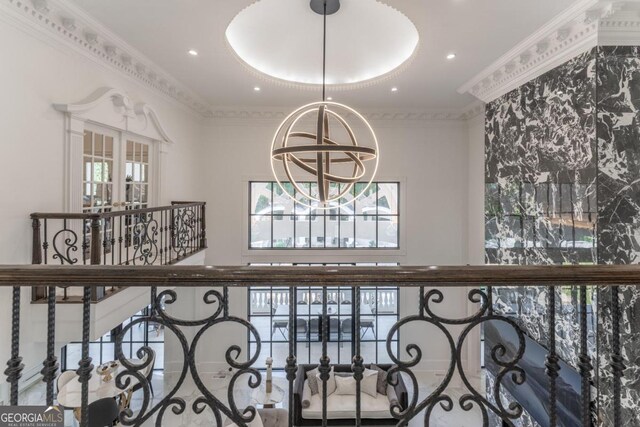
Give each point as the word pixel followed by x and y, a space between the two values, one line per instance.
pixel 316 144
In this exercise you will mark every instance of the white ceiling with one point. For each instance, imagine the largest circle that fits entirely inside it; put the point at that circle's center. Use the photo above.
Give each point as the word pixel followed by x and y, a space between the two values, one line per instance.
pixel 478 31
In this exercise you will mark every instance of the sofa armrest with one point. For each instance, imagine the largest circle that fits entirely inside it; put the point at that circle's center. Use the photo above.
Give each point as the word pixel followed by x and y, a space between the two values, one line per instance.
pixel 401 391
pixel 298 388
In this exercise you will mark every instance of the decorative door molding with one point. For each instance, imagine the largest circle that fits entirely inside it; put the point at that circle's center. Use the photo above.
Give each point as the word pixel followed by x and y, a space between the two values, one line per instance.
pixel 113 109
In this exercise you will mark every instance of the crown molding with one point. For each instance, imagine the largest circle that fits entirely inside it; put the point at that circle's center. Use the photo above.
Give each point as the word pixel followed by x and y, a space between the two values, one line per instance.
pixel 62 21
pixel 579 28
pixel 412 117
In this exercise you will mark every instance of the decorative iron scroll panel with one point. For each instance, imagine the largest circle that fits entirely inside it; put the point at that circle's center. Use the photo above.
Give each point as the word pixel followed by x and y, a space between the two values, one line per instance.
pixel 191 335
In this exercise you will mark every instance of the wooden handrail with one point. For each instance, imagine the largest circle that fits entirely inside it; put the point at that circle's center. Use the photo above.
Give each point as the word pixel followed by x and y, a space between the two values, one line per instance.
pixel 67 215
pixel 449 276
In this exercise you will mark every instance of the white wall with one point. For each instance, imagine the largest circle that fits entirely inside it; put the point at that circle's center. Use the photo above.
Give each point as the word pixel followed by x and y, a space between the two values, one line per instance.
pixel 35 75
pixel 428 158
pixel 214 160
pixel 475 226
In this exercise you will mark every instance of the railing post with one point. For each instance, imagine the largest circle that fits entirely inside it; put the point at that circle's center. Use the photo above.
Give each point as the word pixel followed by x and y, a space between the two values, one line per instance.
pixel 96 247
pixel 96 241
pixel 203 226
pixel 36 250
pixel 14 365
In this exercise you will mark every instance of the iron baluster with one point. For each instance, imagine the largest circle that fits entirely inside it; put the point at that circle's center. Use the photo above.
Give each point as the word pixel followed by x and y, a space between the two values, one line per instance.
pixel 291 365
pixel 324 369
pixel 85 239
pixel 617 362
pixel 120 240
pixel 14 365
pixel 358 364
pixel 50 365
pixel 551 363
pixel 584 361
pixel 45 243
pixel 85 367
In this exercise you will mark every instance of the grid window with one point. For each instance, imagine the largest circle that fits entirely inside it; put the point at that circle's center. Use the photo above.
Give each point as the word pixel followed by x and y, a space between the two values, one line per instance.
pixel 103 350
pixel 269 309
pixel 276 222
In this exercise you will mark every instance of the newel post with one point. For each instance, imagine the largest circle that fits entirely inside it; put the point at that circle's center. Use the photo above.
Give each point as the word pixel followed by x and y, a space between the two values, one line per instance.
pixel 203 226
pixel 36 251
pixel 95 240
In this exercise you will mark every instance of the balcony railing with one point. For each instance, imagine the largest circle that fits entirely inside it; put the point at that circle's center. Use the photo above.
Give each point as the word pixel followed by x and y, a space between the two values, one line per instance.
pixel 430 283
pixel 152 236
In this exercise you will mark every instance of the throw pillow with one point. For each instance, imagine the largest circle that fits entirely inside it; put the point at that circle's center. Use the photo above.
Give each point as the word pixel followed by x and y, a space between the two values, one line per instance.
pixel 331 383
pixel 369 383
pixel 313 383
pixel 382 379
pixel 345 385
pixel 256 422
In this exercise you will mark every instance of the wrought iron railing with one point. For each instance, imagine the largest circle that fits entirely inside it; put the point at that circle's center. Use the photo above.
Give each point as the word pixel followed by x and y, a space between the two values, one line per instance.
pixel 151 236
pixel 430 282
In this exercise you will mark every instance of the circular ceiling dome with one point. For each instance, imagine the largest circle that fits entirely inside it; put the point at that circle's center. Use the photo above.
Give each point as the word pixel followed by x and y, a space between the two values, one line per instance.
pixel 366 40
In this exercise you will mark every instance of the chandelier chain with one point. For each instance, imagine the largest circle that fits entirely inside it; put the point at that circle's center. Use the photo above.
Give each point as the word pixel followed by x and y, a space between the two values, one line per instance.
pixel 324 51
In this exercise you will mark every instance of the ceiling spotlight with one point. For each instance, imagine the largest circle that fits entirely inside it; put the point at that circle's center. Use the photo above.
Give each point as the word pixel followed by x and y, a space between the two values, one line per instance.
pixel 193 52
pixel 394 89
pixel 257 88
pixel 329 98
pixel 451 56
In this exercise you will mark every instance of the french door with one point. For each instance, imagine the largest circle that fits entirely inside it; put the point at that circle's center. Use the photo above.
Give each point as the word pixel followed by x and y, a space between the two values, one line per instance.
pixel 117 171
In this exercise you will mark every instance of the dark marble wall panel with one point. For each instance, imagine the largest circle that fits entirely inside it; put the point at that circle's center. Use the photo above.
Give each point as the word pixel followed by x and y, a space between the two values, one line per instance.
pixel 618 130
pixel 563 186
pixel 540 193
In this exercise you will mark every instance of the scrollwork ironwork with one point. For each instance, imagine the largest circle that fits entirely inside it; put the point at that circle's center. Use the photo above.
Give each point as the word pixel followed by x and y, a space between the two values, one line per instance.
pixel 207 399
pixel 473 398
pixel 65 242
pixel 145 232
pixel 183 229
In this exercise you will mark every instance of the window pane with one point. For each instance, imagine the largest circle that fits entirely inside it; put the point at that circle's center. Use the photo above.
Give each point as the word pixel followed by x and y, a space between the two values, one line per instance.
pixel 302 232
pixel 347 227
pixel 260 197
pixel 365 232
pixel 317 230
pixel 388 232
pixel 282 231
pixel 108 147
pixel 88 143
pixel 388 199
pixel 98 146
pixel 260 231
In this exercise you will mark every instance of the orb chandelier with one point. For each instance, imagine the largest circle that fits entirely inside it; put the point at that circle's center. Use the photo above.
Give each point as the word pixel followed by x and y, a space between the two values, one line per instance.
pixel 330 155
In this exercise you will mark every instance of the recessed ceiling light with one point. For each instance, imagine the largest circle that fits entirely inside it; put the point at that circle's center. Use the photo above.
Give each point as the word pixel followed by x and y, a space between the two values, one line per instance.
pixel 329 98
pixel 394 89
pixel 451 56
pixel 193 52
pixel 257 88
